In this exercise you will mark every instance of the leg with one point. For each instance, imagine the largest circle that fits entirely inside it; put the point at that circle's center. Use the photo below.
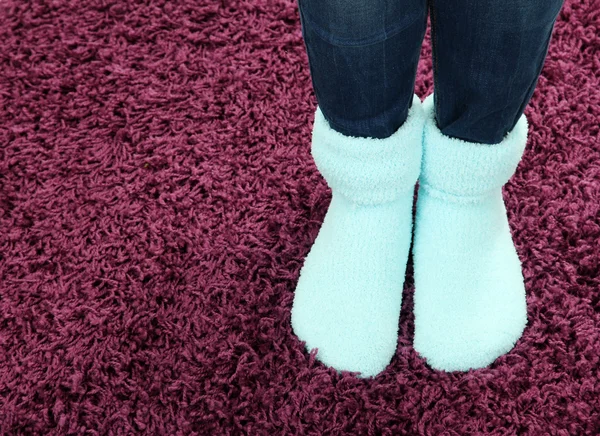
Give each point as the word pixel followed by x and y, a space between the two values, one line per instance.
pixel 363 59
pixel 367 144
pixel 488 55
pixel 469 300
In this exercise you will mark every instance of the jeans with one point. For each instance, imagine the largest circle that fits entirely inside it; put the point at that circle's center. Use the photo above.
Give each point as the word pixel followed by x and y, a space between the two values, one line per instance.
pixel 487 57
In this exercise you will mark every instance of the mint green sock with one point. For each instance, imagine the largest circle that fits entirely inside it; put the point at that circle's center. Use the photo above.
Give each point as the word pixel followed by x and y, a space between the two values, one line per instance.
pixel 469 300
pixel 347 300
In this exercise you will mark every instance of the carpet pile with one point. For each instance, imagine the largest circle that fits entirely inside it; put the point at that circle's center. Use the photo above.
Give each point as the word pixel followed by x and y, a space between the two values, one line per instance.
pixel 157 199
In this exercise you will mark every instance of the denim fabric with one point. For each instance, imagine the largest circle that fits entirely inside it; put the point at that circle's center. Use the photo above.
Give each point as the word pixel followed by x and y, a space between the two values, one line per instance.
pixel 487 56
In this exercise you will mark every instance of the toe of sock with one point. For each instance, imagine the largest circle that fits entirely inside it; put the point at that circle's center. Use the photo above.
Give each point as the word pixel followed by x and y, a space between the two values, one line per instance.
pixel 363 344
pixel 455 347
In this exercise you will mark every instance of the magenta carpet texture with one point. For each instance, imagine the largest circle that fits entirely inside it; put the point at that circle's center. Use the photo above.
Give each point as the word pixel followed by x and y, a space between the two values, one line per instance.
pixel 157 199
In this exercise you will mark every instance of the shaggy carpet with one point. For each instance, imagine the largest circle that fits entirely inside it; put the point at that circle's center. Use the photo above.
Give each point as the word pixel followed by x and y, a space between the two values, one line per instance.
pixel 157 199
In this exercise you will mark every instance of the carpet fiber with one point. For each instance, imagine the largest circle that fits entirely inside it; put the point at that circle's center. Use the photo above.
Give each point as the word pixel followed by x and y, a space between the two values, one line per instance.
pixel 157 199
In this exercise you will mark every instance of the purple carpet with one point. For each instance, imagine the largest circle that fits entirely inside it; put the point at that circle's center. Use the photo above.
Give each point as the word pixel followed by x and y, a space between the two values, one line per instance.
pixel 157 199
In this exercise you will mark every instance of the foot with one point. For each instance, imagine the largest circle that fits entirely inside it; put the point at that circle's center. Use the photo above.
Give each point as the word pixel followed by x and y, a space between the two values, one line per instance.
pixel 469 300
pixel 347 300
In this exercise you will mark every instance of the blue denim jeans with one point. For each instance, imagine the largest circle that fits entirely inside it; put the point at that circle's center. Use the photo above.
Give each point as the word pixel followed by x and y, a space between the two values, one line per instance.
pixel 487 57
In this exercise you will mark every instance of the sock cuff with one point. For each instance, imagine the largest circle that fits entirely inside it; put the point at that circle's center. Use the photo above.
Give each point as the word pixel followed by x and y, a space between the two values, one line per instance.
pixel 459 169
pixel 370 170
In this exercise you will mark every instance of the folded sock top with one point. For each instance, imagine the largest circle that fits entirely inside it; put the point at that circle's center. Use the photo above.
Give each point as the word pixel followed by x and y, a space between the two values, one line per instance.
pixel 370 170
pixel 466 171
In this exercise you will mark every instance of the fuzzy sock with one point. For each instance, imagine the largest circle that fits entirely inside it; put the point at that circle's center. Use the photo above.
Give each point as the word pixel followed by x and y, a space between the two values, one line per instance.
pixel 469 300
pixel 347 300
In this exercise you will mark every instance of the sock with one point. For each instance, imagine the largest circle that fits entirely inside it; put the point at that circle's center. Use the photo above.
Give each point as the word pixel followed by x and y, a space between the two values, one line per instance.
pixel 469 300
pixel 347 300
